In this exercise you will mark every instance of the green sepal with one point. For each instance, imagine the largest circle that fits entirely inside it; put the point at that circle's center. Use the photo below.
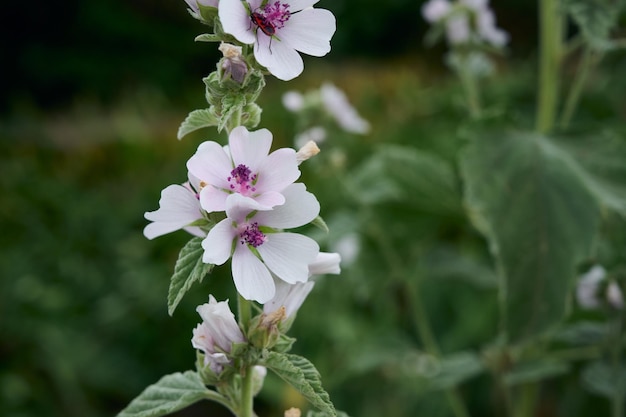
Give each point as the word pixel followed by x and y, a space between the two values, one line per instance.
pixel 208 37
pixel 302 375
pixel 251 115
pixel 189 268
pixel 197 119
pixel 204 371
pixel 171 393
pixel 284 343
pixel 208 14
pixel 320 224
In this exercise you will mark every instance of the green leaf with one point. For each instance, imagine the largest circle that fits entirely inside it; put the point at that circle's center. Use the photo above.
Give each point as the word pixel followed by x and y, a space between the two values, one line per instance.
pixel 599 159
pixel 524 195
pixel 584 333
pixel 189 268
pixel 596 19
pixel 407 175
pixel 303 376
pixel 171 393
pixel 197 119
pixel 231 104
pixel 312 413
pixel 455 369
pixel 534 371
pixel 605 379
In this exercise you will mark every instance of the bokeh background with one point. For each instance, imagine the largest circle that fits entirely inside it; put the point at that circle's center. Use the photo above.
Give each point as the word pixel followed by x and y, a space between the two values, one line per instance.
pixel 90 102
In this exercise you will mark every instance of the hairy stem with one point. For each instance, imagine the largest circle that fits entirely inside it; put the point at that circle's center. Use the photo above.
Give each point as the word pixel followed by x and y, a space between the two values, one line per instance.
pixel 246 406
pixel 551 33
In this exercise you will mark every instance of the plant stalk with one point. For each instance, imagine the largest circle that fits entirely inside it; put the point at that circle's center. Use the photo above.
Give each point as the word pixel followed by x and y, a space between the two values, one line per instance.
pixel 246 406
pixel 575 92
pixel 551 39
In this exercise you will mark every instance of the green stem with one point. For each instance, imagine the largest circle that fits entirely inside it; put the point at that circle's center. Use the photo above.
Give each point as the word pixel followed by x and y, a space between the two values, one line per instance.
pixel 422 322
pixel 246 406
pixel 470 85
pixel 551 28
pixel 525 404
pixel 244 312
pixel 617 402
pixel 574 95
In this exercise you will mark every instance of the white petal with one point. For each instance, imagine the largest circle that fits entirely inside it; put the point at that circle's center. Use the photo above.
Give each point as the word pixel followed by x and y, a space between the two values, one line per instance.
pixel 270 199
pixel 252 279
pixel 297 5
pixel 278 170
pixel 236 21
pixel 213 199
pixel 309 31
pixel 288 255
pixel 282 60
pixel 325 263
pixel 238 207
pixel 178 207
pixel 300 208
pixel 211 164
pixel 249 148
pixel 218 243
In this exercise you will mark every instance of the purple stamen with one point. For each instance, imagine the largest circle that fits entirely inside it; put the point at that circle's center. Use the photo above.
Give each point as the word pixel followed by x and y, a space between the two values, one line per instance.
pixel 276 14
pixel 252 236
pixel 241 181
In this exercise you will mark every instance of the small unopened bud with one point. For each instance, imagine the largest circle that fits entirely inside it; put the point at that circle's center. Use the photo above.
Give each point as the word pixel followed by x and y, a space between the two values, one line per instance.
pixel 233 66
pixel 308 151
pixel 293 412
pixel 264 331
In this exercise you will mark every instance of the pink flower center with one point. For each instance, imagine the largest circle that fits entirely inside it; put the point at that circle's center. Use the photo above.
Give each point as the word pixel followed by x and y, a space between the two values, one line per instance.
pixel 252 235
pixel 242 181
pixel 271 17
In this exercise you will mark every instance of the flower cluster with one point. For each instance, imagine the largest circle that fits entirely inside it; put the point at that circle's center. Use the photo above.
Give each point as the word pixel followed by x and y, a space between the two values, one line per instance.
pixel 466 21
pixel 595 289
pixel 326 102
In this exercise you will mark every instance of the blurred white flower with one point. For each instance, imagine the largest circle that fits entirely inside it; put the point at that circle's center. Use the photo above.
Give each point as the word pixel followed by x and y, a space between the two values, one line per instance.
pixel 614 296
pixel 587 290
pixel 435 10
pixel 338 106
pixel 348 246
pixel 293 101
pixel 315 134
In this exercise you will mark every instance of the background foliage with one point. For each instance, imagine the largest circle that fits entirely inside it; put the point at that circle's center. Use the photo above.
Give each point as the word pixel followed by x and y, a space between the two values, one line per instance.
pixel 87 141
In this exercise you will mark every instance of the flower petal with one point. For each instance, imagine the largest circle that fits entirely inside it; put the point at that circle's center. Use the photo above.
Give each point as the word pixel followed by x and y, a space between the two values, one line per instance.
pixel 249 148
pixel 300 208
pixel 178 207
pixel 218 243
pixel 278 170
pixel 281 59
pixel 236 20
pixel 252 279
pixel 297 5
pixel 270 199
pixel 211 164
pixel 213 199
pixel 288 255
pixel 325 263
pixel 309 31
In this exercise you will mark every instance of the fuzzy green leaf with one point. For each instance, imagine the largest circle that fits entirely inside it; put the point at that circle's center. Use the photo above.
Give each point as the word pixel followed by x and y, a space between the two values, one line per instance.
pixel 197 119
pixel 605 379
pixel 540 219
pixel 535 371
pixel 189 268
pixel 171 393
pixel 596 19
pixel 406 175
pixel 303 376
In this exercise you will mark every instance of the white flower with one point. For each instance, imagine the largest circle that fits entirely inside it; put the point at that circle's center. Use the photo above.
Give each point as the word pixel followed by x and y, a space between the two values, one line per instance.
pixel 245 167
pixel 486 22
pixel 315 134
pixel 587 290
pixel 193 4
pixel 291 296
pixel 338 106
pixel 258 247
pixel 216 334
pixel 348 246
pixel 278 30
pixel 435 10
pixel 458 29
pixel 178 207
pixel 614 296
pixel 293 101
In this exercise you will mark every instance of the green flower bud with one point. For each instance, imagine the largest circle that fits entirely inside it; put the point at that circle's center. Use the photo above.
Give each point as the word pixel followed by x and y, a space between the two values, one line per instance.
pixel 264 329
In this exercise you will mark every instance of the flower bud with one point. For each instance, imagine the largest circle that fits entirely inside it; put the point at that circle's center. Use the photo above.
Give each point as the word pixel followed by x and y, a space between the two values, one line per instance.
pixel 308 151
pixel 233 66
pixel 264 331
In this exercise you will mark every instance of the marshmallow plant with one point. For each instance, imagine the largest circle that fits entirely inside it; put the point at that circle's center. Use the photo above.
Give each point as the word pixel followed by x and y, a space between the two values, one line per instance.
pixel 238 204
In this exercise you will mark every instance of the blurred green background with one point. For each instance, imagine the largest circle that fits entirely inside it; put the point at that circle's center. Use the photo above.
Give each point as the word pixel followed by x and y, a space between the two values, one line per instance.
pixel 92 97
